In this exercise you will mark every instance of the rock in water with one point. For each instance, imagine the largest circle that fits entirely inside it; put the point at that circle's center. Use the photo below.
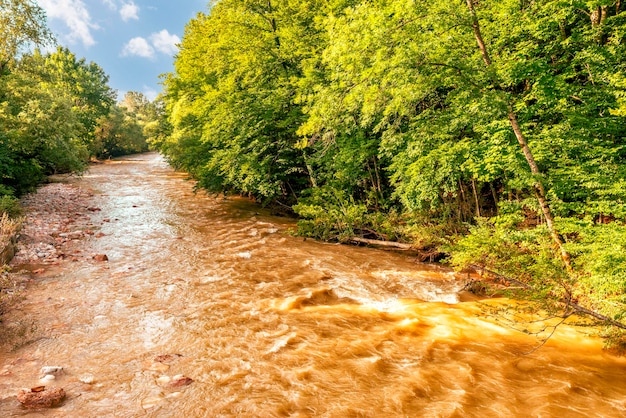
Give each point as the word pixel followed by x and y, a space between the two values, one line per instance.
pixel 87 379
pixel 180 380
pixel 46 379
pixel 101 257
pixel 164 358
pixel 41 399
pixel 55 370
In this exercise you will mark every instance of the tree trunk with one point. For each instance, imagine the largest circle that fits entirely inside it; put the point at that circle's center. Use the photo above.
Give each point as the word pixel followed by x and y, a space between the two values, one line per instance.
pixel 539 188
pixel 476 197
pixel 309 170
pixel 477 34
pixel 379 243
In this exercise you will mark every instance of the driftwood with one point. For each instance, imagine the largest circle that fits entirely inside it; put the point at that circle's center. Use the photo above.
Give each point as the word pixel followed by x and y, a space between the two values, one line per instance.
pixel 380 243
pixel 576 308
pixel 424 255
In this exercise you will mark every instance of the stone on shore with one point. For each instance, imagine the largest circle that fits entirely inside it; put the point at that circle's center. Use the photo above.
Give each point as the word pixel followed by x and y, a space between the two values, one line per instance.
pixel 40 397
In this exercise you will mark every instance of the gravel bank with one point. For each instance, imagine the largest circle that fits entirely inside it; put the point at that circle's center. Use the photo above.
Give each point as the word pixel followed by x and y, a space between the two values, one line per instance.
pixel 58 218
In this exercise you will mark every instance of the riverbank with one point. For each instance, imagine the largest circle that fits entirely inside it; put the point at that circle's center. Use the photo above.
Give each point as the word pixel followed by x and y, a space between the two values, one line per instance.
pixel 57 218
pixel 53 230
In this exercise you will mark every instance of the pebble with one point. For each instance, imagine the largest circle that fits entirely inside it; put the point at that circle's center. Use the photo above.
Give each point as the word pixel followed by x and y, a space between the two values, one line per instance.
pixel 87 378
pixel 100 257
pixel 163 380
pixel 47 379
pixel 149 403
pixel 180 380
pixel 55 370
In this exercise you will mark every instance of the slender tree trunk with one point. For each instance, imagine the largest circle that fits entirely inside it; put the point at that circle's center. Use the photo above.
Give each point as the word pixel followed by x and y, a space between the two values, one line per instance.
pixel 521 139
pixel 309 169
pixel 539 189
pixel 378 183
pixel 477 34
pixel 369 170
pixel 494 195
pixel 476 197
pixel 464 202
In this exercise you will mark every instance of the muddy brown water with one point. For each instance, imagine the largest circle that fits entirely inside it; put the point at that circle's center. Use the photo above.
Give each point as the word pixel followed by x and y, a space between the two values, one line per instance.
pixel 270 325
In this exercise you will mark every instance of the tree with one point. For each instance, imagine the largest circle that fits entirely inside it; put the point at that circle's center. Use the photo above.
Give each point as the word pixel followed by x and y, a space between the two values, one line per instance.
pixel 22 24
pixel 122 131
pixel 232 100
pixel 41 134
pixel 498 125
pixel 49 107
pixel 119 133
pixel 85 84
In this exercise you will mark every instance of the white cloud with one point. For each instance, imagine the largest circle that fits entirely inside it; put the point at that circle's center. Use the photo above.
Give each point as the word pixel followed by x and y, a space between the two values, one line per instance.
pixel 75 16
pixel 138 46
pixel 129 11
pixel 165 42
pixel 150 93
pixel 110 3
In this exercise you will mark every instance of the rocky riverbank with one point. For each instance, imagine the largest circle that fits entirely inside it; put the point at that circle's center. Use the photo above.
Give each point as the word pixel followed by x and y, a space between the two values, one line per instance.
pixel 58 218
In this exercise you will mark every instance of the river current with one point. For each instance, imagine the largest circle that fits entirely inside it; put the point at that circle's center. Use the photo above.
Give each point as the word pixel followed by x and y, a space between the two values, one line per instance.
pixel 271 325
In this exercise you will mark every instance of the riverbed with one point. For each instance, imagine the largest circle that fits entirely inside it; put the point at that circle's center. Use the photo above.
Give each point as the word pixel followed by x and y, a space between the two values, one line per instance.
pixel 266 324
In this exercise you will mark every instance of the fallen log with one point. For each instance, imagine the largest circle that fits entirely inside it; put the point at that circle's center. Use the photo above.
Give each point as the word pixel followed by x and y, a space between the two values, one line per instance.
pixel 380 243
pixel 568 303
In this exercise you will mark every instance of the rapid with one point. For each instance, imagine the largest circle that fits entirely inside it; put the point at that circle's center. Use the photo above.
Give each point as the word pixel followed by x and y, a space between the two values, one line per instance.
pixel 270 325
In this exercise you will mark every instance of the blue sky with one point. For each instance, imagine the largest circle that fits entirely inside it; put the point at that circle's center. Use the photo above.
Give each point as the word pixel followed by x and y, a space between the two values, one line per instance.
pixel 132 40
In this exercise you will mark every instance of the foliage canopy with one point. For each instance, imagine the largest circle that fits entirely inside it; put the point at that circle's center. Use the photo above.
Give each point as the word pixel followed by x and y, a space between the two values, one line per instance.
pixel 497 124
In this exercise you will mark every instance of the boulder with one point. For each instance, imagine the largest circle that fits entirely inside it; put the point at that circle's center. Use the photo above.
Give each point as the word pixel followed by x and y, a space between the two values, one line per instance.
pixel 39 397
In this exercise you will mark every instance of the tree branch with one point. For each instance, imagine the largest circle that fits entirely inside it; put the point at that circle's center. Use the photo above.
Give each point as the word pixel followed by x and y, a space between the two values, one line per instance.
pixel 567 302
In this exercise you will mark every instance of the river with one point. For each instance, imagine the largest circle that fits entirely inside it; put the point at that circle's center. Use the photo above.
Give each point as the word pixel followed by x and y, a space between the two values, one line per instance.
pixel 271 325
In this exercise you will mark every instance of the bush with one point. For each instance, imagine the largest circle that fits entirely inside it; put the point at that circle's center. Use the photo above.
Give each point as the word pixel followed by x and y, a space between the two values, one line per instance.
pixel 10 206
pixel 330 215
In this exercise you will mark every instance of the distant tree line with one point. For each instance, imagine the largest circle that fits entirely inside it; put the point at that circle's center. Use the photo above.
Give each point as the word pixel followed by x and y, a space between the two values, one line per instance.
pixel 494 130
pixel 56 111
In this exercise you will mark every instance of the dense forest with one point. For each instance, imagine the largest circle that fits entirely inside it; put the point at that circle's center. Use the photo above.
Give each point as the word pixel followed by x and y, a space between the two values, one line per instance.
pixel 491 131
pixel 57 111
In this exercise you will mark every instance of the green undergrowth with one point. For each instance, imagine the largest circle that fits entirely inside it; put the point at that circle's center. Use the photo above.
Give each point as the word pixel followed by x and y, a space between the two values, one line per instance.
pixel 329 215
pixel 597 280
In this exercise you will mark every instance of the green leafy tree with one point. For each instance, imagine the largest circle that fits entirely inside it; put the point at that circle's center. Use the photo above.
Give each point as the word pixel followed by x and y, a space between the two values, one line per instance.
pixel 22 24
pixel 157 127
pixel 41 134
pixel 49 106
pixel 122 131
pixel 502 121
pixel 232 100
pixel 86 85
